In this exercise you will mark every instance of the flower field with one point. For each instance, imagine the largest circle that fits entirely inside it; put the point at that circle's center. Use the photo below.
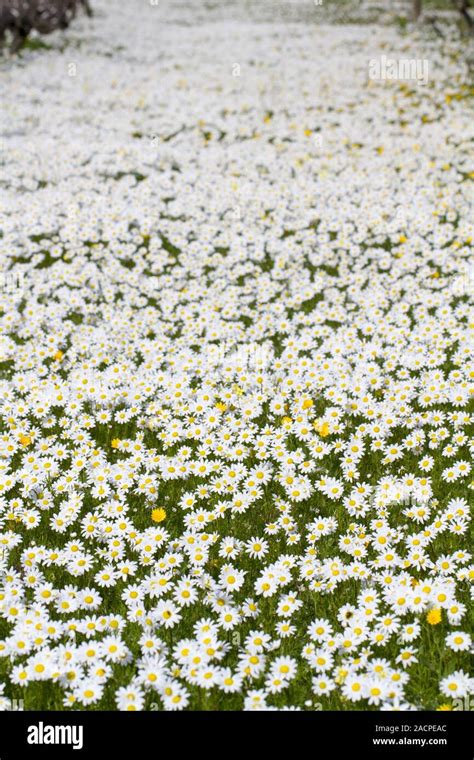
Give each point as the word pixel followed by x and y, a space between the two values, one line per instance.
pixel 236 365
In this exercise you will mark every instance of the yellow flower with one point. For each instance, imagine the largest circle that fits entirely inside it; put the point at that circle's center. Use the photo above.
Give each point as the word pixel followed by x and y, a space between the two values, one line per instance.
pixel 115 443
pixel 25 440
pixel 58 356
pixel 322 429
pixel 307 403
pixel 434 616
pixel 221 406
pixel 444 708
pixel 158 514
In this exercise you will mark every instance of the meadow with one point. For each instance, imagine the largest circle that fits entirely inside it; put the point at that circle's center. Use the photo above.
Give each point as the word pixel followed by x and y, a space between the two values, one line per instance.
pixel 236 366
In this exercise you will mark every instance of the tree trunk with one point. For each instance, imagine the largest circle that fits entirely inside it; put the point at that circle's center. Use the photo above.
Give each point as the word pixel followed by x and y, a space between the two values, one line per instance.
pixel 463 6
pixel 417 5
